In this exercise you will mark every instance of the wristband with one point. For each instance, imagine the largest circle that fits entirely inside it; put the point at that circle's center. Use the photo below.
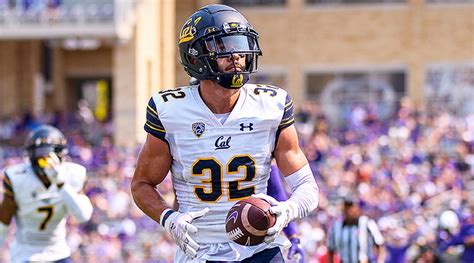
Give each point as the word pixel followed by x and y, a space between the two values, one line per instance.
pixel 165 216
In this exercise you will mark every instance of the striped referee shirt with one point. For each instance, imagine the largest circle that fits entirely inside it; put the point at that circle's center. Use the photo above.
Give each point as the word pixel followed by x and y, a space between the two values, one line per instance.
pixel 354 242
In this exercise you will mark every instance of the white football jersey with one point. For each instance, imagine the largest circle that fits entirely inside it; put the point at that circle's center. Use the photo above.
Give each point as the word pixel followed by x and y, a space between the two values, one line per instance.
pixel 40 217
pixel 215 165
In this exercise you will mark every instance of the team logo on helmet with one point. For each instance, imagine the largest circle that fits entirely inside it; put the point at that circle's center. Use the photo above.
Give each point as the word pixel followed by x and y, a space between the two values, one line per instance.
pixel 198 128
pixel 237 80
pixel 217 31
pixel 189 30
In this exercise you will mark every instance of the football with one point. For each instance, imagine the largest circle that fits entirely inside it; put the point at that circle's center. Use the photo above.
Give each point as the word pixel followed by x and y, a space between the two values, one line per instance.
pixel 248 220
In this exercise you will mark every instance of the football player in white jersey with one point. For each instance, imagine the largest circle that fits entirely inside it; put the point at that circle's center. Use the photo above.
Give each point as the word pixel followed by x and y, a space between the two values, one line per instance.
pixel 39 194
pixel 218 139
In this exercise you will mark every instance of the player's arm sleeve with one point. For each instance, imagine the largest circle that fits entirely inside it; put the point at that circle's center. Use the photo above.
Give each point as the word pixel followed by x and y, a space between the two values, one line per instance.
pixel 305 191
pixel 288 116
pixel 153 123
pixel 77 204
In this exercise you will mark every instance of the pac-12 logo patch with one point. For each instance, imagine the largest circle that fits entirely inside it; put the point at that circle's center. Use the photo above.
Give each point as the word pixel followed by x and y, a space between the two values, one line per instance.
pixel 198 128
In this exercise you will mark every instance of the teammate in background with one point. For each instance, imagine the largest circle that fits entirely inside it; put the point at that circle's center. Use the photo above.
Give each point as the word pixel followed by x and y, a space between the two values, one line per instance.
pixel 40 193
pixel 354 236
pixel 276 190
pixel 218 139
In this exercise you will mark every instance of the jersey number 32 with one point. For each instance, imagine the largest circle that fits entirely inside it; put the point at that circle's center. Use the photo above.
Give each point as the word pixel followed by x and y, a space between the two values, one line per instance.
pixel 216 182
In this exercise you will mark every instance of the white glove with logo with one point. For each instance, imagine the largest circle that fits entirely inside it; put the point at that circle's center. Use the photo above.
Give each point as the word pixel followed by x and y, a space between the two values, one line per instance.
pixel 52 169
pixel 179 224
pixel 284 211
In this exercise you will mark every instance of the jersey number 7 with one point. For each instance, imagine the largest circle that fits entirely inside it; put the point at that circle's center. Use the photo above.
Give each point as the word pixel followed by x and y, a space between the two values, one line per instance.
pixel 48 210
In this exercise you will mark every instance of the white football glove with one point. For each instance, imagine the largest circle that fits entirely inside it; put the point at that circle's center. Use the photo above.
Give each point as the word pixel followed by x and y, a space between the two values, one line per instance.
pixel 179 224
pixel 52 169
pixel 284 211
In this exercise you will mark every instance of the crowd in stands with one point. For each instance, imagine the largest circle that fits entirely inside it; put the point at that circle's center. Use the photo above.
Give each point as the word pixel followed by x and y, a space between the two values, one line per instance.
pixel 60 11
pixel 406 171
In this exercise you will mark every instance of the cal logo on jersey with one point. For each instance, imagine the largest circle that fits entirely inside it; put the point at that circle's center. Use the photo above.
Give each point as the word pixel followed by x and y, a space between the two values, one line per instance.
pixel 222 143
pixel 198 128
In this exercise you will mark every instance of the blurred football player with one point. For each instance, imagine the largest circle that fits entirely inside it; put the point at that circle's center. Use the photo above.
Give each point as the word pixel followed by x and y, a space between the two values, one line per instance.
pixel 218 139
pixel 39 194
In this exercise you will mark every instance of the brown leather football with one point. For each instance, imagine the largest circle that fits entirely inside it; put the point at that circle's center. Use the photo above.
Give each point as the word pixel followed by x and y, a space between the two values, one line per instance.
pixel 248 220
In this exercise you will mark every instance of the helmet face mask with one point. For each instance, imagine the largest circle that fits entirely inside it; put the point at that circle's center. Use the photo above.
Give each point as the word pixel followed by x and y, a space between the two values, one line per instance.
pixel 213 32
pixel 228 45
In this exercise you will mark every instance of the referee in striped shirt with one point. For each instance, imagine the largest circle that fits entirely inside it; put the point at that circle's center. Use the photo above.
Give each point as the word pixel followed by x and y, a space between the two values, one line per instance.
pixel 355 237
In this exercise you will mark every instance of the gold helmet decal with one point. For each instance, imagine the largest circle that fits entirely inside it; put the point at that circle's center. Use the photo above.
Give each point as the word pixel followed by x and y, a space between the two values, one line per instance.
pixel 189 30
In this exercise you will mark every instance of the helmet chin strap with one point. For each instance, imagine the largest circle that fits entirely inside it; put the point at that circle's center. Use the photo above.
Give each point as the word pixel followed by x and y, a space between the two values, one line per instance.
pixel 233 80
